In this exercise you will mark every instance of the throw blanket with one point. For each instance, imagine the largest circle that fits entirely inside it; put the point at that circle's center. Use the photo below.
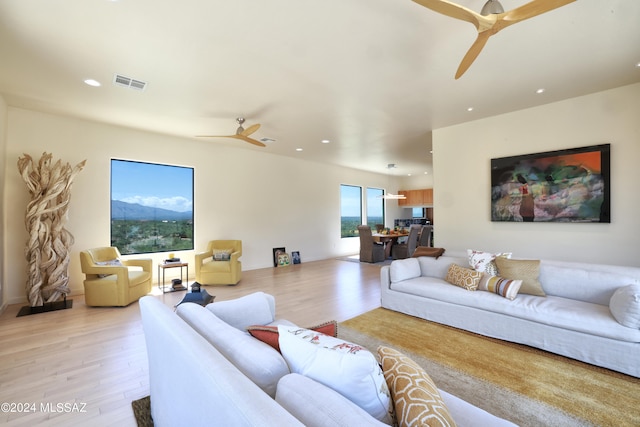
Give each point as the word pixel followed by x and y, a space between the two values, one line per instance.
pixel 428 251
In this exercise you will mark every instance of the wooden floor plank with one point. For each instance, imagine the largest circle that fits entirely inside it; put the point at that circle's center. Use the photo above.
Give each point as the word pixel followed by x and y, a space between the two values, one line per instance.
pixel 97 355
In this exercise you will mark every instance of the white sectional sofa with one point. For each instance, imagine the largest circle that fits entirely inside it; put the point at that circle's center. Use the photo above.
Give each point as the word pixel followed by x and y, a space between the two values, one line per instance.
pixel 206 371
pixel 590 312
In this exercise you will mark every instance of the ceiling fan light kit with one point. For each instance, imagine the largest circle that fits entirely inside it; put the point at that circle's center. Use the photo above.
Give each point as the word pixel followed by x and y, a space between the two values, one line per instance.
pixel 490 20
pixel 491 7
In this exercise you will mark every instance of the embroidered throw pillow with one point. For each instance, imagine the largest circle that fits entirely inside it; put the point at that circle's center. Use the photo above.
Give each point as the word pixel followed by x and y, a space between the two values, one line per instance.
pixel 484 262
pixel 269 334
pixel 416 398
pixel 463 277
pixel 347 368
pixel 507 288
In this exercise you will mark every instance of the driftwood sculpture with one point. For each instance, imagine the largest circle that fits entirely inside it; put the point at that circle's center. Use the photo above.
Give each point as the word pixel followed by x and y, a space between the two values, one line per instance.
pixel 48 248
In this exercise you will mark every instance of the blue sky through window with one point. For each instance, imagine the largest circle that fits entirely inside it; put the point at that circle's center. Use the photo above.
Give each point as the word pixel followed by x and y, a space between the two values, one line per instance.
pixel 153 185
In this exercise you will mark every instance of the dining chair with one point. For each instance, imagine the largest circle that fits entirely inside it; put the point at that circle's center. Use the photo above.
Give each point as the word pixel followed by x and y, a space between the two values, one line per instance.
pixel 425 236
pixel 370 251
pixel 405 250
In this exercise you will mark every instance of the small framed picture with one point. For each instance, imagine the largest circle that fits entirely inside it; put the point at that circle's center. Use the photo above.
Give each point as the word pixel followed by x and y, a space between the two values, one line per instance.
pixel 295 257
pixel 283 259
pixel 276 252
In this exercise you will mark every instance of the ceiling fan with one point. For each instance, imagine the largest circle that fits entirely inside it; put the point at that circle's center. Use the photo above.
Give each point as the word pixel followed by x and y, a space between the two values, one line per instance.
pixel 490 20
pixel 241 133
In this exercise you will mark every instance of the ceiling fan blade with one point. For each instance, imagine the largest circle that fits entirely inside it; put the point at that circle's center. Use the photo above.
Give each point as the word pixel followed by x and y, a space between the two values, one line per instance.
pixel 456 11
pixel 250 140
pixel 251 129
pixel 473 53
pixel 531 9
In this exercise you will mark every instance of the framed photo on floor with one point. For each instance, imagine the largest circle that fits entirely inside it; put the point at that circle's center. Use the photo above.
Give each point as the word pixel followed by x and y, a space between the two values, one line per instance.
pixel 276 252
pixel 295 257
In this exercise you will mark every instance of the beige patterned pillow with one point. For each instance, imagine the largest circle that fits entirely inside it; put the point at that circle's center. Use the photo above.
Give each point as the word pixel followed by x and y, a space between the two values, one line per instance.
pixel 416 398
pixel 526 270
pixel 463 277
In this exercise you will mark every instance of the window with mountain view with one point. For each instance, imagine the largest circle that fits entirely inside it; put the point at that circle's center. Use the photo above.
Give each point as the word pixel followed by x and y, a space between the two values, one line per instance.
pixel 151 207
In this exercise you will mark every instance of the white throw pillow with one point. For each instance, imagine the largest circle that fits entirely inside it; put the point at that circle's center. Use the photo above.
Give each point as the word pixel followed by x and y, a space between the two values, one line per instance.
pixel 484 262
pixel 347 368
pixel 404 269
pixel 257 308
pixel 625 306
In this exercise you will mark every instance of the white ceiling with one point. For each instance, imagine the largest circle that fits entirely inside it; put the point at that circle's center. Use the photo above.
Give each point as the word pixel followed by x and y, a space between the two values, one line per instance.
pixel 372 76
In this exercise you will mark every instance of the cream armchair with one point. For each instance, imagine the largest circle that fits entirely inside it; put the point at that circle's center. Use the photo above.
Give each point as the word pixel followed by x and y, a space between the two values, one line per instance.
pixel 108 279
pixel 220 271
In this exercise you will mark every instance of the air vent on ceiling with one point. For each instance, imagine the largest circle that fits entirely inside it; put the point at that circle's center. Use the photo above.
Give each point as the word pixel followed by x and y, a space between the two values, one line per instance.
pixel 267 140
pixel 120 80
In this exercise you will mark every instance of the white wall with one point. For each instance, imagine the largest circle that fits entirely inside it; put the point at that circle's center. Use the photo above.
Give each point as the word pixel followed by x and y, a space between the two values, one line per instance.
pixel 265 200
pixel 3 130
pixel 462 156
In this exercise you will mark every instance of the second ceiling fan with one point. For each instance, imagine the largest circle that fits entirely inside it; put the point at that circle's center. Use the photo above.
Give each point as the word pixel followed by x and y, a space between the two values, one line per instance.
pixel 241 133
pixel 490 20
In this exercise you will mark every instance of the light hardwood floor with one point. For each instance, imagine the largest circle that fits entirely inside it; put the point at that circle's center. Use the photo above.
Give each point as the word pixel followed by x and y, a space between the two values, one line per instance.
pixel 92 361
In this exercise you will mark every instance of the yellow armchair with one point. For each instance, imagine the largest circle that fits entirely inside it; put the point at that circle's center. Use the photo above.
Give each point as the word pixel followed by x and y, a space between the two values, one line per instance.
pixel 219 272
pixel 108 279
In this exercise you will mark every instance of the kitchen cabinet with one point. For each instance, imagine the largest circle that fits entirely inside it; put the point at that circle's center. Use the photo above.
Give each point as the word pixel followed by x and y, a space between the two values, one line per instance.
pixel 416 198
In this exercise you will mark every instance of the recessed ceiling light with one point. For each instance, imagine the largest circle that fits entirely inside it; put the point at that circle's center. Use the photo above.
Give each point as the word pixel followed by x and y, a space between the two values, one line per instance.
pixel 426 173
pixel 638 65
pixel 325 141
pixel 298 149
pixel 470 109
pixel 408 174
pixel 92 82
pixel 541 90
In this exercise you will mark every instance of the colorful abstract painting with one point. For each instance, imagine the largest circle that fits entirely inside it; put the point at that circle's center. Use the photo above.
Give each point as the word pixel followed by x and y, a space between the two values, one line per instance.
pixel 569 185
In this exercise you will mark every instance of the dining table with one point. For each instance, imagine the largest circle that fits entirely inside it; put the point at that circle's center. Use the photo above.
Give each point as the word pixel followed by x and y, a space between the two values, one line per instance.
pixel 388 240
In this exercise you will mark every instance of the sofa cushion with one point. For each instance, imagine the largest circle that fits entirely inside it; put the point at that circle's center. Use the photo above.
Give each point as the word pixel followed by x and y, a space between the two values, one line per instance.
pixel 257 308
pixel 416 398
pixel 404 269
pixel 594 283
pixel 319 406
pixel 507 288
pixel 625 306
pixel 463 277
pixel 526 270
pixel 347 368
pixel 255 359
pixel 438 267
pixel 580 316
pixel 268 334
pixel 484 262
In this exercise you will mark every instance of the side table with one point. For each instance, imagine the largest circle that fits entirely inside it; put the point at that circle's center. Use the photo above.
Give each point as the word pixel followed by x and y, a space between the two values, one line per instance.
pixel 163 266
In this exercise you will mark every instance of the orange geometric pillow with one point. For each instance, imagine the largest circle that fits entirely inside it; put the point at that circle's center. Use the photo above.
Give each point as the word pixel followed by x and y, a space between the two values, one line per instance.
pixel 269 334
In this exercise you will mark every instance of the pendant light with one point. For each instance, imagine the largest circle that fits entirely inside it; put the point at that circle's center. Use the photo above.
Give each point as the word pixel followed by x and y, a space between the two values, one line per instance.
pixel 391 196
